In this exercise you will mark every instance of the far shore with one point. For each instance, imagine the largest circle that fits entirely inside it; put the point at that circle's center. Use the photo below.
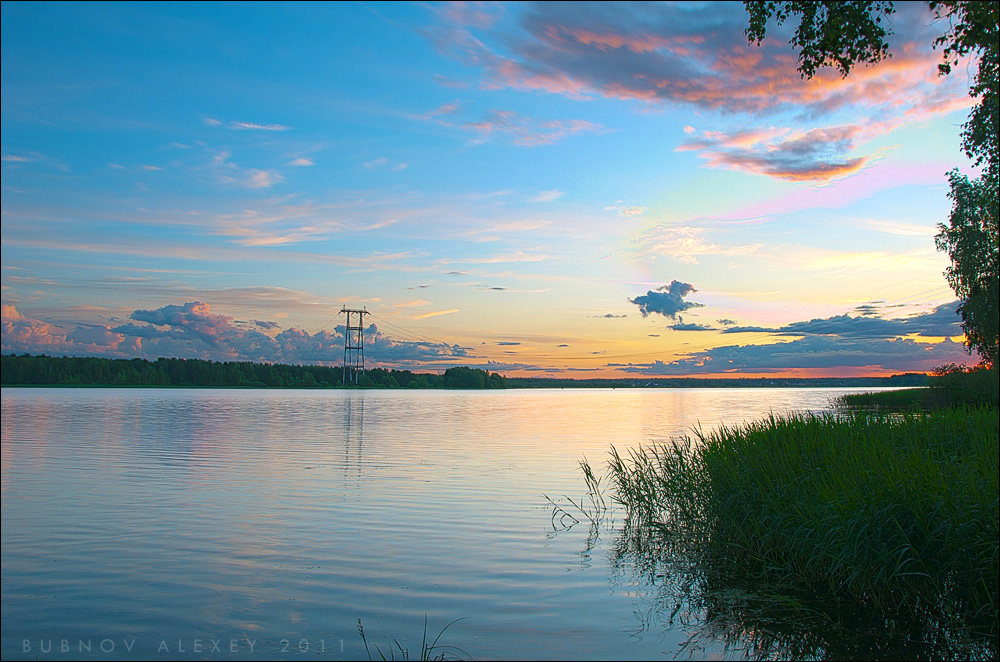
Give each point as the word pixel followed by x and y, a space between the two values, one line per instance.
pixel 90 372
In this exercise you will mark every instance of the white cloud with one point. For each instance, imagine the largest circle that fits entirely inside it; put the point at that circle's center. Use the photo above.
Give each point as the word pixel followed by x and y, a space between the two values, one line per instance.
pixel 626 210
pixel 547 196
pixel 685 244
pixel 383 162
pixel 259 127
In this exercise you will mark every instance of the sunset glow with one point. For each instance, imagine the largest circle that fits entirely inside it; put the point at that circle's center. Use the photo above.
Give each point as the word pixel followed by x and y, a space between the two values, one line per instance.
pixel 550 189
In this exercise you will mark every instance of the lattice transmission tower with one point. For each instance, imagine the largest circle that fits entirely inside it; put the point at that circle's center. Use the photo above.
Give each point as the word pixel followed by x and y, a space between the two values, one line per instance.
pixel 354 345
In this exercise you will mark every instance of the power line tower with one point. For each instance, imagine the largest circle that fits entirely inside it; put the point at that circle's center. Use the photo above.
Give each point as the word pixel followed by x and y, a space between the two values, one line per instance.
pixel 354 345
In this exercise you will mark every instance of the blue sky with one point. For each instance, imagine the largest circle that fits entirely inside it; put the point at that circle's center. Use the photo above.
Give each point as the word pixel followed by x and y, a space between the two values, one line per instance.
pixel 567 189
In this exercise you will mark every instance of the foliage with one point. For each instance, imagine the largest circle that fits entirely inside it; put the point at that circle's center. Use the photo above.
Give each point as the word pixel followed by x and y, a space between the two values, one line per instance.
pixel 959 385
pixel 833 33
pixel 889 516
pixel 462 377
pixel 974 29
pixel 44 370
pixel 973 244
pixel 951 386
pixel 972 238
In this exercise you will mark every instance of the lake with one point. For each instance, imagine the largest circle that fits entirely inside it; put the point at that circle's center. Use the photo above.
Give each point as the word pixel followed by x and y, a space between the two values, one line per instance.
pixel 262 524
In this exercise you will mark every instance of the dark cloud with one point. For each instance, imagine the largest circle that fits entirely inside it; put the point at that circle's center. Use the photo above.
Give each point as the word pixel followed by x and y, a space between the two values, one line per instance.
pixel 92 335
pixel 846 326
pixel 503 366
pixel 810 353
pixel 749 329
pixel 667 300
pixel 726 322
pixel 506 343
pixel 942 321
pixel 830 343
pixel 869 310
pixel 688 326
pixel 610 316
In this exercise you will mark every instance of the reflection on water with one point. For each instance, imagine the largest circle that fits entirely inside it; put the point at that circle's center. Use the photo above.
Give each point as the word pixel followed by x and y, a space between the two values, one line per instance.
pixel 354 432
pixel 713 604
pixel 269 522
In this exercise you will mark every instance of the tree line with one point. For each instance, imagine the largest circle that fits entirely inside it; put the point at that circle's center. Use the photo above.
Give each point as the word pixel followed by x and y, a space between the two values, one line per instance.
pixel 27 370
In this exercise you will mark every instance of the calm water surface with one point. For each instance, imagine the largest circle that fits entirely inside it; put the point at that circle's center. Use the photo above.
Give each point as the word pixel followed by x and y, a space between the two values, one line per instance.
pixel 256 524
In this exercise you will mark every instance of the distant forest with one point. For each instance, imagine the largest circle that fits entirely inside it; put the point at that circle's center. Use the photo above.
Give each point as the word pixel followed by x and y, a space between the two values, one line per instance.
pixel 43 370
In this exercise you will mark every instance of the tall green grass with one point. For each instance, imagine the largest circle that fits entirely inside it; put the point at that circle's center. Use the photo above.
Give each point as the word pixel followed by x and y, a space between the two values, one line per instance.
pixel 895 514
pixel 906 399
pixel 951 386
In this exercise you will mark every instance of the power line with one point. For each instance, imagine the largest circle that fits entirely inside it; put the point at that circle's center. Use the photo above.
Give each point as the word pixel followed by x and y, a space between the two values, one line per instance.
pixel 413 334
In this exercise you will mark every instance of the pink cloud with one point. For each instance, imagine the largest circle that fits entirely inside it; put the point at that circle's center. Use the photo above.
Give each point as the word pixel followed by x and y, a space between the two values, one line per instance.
pixel 18 330
pixel 20 334
pixel 446 109
pixel 698 55
pixel 192 330
pixel 817 155
pixel 687 54
pixel 231 173
pixel 477 14
pixel 9 312
pixel 843 193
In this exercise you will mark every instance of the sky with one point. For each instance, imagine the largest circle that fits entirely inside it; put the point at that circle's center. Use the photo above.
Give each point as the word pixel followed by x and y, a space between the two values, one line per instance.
pixel 536 189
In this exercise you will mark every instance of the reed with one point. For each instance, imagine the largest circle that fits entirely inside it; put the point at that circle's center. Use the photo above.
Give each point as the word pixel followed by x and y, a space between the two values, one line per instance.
pixel 428 651
pixel 907 399
pixel 895 513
